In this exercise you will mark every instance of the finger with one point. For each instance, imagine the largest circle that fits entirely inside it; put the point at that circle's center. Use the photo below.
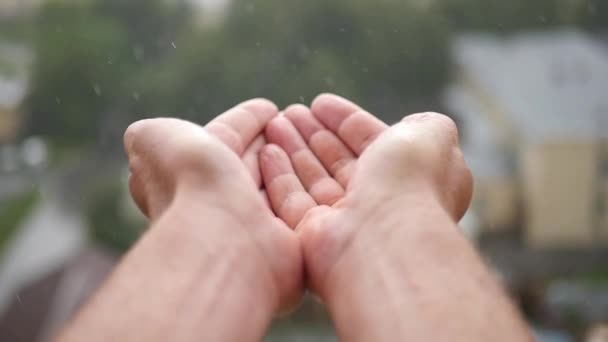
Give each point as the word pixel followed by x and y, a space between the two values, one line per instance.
pixel 251 160
pixel 287 196
pixel 265 198
pixel 356 127
pixel 239 126
pixel 335 156
pixel 313 176
pixel 137 193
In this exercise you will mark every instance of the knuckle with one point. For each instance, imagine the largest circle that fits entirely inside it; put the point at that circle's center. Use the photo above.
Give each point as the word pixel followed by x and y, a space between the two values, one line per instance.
pixel 432 117
pixel 135 165
pixel 442 125
pixel 133 132
pixel 142 130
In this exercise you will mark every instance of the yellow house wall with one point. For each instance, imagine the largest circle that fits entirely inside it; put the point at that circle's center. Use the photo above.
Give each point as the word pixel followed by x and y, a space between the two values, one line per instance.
pixel 495 202
pixel 560 192
pixel 9 124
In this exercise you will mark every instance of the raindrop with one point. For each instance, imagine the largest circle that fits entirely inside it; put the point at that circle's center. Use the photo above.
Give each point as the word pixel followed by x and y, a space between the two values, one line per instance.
pixel 138 53
pixel 303 51
pixel 97 89
pixel 34 152
pixel 302 100
pixel 136 96
pixel 173 44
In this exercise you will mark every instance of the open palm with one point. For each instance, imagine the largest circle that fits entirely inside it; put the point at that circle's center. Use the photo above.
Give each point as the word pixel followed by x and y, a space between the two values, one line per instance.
pixel 309 165
pixel 333 167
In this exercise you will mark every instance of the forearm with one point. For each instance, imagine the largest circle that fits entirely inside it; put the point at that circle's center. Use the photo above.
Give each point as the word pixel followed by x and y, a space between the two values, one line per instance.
pixel 413 277
pixel 183 281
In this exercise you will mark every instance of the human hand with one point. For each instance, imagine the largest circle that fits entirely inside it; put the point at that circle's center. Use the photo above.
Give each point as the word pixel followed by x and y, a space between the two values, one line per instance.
pixel 178 164
pixel 373 171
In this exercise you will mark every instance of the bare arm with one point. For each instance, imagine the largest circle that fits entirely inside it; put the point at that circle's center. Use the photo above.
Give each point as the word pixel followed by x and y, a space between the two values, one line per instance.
pixel 418 279
pixel 383 251
pixel 181 283
pixel 216 264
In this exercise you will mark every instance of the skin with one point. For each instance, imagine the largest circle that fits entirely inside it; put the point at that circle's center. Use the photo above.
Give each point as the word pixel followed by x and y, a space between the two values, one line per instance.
pixel 374 210
pixel 381 245
pixel 208 260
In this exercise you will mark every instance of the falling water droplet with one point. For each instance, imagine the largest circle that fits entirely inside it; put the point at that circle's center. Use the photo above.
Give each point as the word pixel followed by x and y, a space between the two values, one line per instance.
pixel 97 89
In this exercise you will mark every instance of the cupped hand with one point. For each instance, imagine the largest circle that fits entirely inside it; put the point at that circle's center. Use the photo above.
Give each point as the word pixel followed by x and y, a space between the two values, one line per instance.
pixel 333 170
pixel 212 173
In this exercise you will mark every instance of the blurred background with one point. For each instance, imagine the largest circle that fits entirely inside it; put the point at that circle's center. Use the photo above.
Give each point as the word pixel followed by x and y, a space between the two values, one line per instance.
pixel 526 81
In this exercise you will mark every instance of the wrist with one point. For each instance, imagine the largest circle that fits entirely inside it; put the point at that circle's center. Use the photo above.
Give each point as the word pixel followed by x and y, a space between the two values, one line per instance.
pixel 185 280
pixel 399 259
pixel 412 223
pixel 215 237
pixel 397 283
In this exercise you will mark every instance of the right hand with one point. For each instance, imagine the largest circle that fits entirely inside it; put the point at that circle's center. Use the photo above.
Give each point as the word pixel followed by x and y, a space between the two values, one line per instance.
pixel 372 172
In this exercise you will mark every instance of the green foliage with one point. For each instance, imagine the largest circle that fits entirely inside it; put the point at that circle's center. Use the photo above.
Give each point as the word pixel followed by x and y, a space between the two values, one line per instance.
pixel 101 61
pixel 7 69
pixel 86 53
pixel 107 224
pixel 292 52
pixel 12 213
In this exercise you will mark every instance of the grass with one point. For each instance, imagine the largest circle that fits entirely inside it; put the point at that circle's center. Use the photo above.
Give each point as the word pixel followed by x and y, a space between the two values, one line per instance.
pixel 12 213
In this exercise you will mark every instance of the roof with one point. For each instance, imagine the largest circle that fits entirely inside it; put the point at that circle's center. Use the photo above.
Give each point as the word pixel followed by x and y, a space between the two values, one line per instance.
pixel 551 85
pixel 480 139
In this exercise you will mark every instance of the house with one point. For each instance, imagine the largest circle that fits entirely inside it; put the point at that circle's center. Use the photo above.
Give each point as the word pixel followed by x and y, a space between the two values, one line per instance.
pixel 535 118
pixel 14 72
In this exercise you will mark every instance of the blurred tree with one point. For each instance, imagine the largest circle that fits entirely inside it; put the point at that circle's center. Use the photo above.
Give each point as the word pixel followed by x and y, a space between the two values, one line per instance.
pixel 108 226
pixel 104 62
pixel 291 52
pixel 150 26
pixel 86 52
